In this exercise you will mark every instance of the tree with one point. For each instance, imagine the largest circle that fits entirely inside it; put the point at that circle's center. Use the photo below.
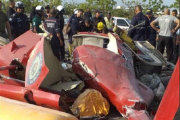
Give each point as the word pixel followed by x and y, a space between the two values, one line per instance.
pixel 155 5
pixel 69 7
pixel 104 5
pixel 175 4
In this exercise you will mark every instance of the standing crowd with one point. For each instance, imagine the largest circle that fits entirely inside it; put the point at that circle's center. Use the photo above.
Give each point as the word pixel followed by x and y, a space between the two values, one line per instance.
pixel 143 27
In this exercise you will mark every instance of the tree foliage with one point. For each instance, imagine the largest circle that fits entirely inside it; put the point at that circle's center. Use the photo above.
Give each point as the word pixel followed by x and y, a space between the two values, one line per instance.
pixel 175 4
pixel 30 3
pixel 155 5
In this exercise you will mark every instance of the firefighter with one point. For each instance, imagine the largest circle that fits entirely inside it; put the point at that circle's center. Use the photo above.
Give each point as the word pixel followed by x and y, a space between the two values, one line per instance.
pixel 86 25
pixel 59 16
pixel 74 23
pixel 141 32
pixel 19 21
pixel 97 19
pixel 53 27
pixel 38 19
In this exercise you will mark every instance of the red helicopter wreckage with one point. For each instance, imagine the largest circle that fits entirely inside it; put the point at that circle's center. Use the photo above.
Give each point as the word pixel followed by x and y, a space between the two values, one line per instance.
pixel 133 81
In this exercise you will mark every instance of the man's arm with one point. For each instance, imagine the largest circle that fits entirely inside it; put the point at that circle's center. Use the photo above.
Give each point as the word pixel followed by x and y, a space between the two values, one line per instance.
pixel 177 26
pixel 8 27
pixel 60 40
pixel 153 25
pixel 133 23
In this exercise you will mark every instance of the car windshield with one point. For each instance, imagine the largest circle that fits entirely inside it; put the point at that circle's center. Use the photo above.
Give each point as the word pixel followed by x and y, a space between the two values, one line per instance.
pixel 129 21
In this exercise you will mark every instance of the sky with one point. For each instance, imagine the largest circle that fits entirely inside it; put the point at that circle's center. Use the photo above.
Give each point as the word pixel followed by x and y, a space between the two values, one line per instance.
pixel 119 2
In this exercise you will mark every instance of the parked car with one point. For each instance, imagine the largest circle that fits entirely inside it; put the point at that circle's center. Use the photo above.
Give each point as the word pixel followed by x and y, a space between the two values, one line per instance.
pixel 123 23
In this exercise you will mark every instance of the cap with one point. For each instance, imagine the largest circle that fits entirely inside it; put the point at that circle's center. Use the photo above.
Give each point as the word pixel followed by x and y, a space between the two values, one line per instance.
pixel 149 11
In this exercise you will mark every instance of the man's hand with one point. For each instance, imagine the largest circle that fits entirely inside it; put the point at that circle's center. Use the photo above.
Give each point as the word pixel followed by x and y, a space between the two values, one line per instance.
pixel 10 38
pixel 173 31
pixel 158 31
pixel 61 43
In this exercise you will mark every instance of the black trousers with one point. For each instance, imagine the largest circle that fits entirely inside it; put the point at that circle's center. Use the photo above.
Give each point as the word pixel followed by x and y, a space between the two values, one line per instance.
pixel 59 51
pixel 168 42
pixel 175 50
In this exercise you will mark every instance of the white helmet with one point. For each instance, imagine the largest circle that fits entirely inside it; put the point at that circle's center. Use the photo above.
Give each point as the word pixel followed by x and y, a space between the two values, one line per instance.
pixel 61 9
pixel 39 8
pixel 75 11
pixel 19 4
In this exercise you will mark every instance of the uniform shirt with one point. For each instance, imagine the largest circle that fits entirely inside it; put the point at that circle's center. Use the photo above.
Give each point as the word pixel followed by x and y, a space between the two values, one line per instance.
pixel 87 15
pixel 153 33
pixel 19 24
pixel 140 33
pixel 3 20
pixel 84 28
pixel 61 21
pixel 166 25
pixel 10 12
pixel 95 21
pixel 36 23
pixel 52 26
pixel 75 23
pixel 109 24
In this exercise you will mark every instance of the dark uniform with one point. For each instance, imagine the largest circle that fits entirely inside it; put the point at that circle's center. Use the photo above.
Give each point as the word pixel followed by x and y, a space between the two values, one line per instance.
pixel 74 25
pixel 19 24
pixel 61 22
pixel 140 33
pixel 10 12
pixel 84 28
pixel 95 21
pixel 87 15
pixel 152 33
pixel 52 26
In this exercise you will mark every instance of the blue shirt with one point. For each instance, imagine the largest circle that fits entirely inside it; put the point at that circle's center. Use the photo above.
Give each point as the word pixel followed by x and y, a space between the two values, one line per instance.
pixel 141 32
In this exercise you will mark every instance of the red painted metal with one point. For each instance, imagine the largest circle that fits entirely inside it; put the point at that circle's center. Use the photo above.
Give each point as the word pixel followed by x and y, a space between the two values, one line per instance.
pixel 170 102
pixel 36 69
pixel 8 67
pixel 19 49
pixel 111 74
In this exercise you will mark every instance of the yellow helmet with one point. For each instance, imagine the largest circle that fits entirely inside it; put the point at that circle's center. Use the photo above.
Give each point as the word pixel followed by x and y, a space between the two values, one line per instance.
pixel 100 26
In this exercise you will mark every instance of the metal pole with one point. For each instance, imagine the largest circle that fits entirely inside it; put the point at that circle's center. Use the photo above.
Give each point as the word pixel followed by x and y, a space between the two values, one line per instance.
pixel 8 67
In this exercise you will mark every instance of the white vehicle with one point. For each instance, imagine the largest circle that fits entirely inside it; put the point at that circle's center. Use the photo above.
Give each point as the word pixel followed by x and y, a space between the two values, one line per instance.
pixel 123 23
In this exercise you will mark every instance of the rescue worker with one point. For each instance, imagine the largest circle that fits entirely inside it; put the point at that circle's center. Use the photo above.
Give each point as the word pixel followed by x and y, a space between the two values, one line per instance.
pixel 140 32
pixel 19 21
pixel 152 33
pixel 74 23
pixel 60 13
pixel 166 32
pixel 109 21
pixel 59 16
pixel 11 10
pixel 97 19
pixel 86 26
pixel 4 23
pixel 38 19
pixel 53 27
pixel 47 10
pixel 88 14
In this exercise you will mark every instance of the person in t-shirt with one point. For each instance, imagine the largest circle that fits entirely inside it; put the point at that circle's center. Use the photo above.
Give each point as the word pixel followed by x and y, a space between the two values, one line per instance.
pixel 166 32
pixel 4 23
